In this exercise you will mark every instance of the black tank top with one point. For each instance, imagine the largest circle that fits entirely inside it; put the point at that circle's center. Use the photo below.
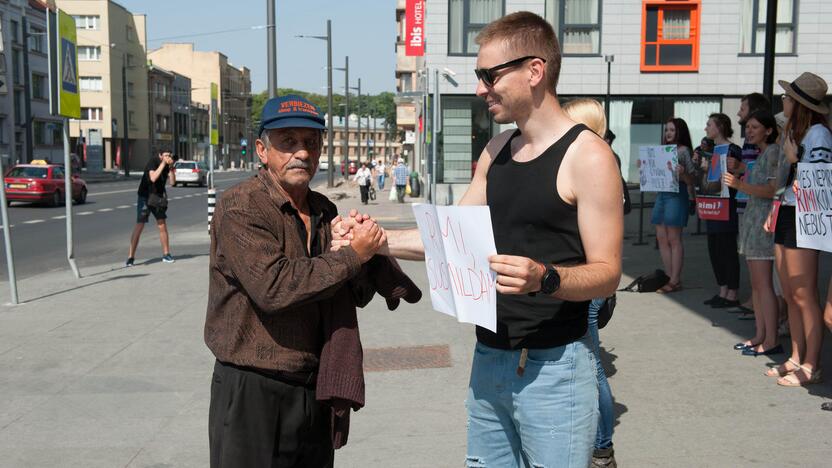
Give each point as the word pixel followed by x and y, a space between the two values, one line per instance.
pixel 531 220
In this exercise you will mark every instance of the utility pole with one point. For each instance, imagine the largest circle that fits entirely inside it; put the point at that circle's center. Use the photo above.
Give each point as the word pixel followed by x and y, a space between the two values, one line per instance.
pixel 125 145
pixel 271 41
pixel 345 159
pixel 771 34
pixel 358 106
pixel 27 91
pixel 330 152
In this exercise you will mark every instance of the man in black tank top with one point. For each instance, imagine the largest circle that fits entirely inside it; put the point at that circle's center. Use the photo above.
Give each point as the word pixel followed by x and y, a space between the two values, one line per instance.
pixel 554 191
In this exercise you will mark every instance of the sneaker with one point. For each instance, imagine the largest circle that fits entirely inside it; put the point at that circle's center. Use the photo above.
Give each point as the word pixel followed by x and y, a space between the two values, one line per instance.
pixel 129 262
pixel 168 258
pixel 603 458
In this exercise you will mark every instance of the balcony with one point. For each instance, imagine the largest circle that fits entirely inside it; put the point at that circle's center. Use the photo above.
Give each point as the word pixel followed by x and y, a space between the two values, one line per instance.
pixel 405 115
pixel 403 62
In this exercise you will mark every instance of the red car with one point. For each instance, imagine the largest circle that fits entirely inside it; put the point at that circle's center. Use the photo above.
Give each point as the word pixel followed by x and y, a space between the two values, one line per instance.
pixel 353 167
pixel 41 182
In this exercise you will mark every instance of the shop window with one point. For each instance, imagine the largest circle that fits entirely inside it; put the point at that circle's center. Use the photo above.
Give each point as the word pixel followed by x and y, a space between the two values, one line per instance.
pixel 578 25
pixel 466 129
pixel 670 35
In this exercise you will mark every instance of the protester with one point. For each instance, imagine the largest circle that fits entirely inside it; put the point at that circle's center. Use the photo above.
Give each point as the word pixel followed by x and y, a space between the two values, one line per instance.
pixel 544 176
pixel 364 177
pixel 153 199
pixel 670 213
pixel 807 139
pixel 400 174
pixel 755 243
pixel 590 113
pixel 722 235
pixel 281 316
pixel 381 172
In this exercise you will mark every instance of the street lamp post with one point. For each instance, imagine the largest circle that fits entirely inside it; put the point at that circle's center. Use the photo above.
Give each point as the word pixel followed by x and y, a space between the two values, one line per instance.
pixel 330 151
pixel 125 142
pixel 358 88
pixel 270 48
pixel 345 158
pixel 609 59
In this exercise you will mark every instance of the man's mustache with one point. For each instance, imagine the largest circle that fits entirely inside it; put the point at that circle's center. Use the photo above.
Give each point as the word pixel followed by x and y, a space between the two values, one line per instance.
pixel 298 165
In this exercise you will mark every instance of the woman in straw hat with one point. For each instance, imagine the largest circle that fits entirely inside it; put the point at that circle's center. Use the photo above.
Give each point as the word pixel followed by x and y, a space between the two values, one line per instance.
pixel 807 139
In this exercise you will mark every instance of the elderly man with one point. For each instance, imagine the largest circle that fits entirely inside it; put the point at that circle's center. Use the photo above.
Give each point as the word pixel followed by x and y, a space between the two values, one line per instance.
pixel 281 317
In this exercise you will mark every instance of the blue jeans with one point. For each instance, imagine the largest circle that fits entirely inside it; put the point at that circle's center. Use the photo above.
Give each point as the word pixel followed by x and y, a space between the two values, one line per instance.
pixel 547 418
pixel 603 439
pixel 381 182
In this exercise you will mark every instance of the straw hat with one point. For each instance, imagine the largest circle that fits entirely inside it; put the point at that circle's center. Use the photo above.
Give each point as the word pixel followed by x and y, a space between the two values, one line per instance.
pixel 809 90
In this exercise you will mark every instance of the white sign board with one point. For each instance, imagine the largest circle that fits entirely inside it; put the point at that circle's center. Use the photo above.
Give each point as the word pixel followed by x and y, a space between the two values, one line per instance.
pixel 813 207
pixel 657 168
pixel 458 241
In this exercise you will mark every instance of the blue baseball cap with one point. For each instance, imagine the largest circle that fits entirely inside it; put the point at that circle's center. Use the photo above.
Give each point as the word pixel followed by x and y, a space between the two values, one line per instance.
pixel 290 111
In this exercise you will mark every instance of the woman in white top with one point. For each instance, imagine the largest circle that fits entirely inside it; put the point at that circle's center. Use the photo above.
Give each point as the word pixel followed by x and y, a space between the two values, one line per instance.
pixel 364 177
pixel 807 139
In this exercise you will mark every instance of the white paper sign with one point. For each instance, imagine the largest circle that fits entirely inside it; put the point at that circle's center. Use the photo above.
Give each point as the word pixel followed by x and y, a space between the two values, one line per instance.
pixel 813 206
pixel 458 241
pixel 657 168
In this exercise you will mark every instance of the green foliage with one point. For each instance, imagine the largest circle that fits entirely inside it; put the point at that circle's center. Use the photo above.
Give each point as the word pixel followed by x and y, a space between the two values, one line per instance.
pixel 380 105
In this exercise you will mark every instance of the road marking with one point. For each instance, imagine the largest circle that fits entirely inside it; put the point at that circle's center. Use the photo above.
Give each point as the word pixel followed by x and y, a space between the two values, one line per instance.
pixel 121 207
pixel 176 198
pixel 110 192
pixel 59 217
pixel 85 213
pixel 33 221
pixel 104 210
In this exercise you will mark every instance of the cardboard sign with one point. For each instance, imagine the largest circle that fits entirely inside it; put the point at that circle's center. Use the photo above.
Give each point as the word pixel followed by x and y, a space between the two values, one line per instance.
pixel 657 168
pixel 713 208
pixel 813 206
pixel 749 167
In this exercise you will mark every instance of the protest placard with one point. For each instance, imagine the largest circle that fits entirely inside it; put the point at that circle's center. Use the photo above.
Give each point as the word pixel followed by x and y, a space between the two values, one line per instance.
pixel 458 241
pixel 749 167
pixel 813 213
pixel 713 208
pixel 718 166
pixel 657 168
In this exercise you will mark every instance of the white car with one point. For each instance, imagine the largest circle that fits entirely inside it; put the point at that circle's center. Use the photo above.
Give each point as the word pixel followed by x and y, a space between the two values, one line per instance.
pixel 191 172
pixel 323 165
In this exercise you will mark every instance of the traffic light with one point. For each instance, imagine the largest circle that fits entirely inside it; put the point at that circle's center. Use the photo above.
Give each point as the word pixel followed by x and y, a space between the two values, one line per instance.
pixel 244 150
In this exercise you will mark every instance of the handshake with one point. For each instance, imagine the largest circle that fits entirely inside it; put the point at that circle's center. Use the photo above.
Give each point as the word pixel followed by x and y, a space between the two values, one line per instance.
pixel 361 232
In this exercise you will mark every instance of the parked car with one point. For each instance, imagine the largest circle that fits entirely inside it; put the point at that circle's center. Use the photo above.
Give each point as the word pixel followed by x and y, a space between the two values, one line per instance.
pixel 41 182
pixel 191 172
pixel 323 164
pixel 353 167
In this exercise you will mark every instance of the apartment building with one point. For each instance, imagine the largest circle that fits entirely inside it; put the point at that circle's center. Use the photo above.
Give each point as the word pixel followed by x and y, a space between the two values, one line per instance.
pixel 683 58
pixel 112 45
pixel 200 134
pixel 408 107
pixel 234 106
pixel 27 129
pixel 160 112
pixel 373 141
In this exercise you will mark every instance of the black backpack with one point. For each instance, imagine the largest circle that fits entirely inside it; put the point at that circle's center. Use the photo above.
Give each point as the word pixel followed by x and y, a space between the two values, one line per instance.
pixel 650 282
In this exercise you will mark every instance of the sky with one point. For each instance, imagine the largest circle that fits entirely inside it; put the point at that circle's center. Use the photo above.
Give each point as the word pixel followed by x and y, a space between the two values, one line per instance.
pixel 363 29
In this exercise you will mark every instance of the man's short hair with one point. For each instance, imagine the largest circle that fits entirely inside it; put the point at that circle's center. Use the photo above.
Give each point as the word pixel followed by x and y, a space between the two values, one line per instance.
pixel 164 149
pixel 756 102
pixel 526 33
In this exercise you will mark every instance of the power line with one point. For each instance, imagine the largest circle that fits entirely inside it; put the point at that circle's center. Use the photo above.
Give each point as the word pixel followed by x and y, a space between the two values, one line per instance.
pixel 210 33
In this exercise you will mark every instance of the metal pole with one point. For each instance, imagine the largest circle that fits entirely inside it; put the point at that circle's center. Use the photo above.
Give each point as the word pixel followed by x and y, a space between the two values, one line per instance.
pixel 435 131
pixel 27 106
pixel 271 53
pixel 768 64
pixel 330 153
pixel 347 118
pixel 640 219
pixel 211 164
pixel 70 245
pixel 608 59
pixel 358 109
pixel 7 239
pixel 125 143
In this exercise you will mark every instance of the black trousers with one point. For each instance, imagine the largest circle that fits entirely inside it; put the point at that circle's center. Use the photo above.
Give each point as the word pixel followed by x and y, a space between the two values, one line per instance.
pixel 257 421
pixel 725 261
pixel 365 193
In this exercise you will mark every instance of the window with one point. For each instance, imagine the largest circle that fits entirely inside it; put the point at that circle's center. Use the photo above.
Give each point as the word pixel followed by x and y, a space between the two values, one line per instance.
pixel 89 53
pixel 131 118
pixel 3 131
pixel 57 173
pixel 466 129
pixel 129 33
pixel 39 87
pixel 16 67
pixel 40 132
pixel 18 107
pixel 15 27
pixel 37 40
pixel 92 113
pixel 130 89
pixel 670 36
pixel 130 60
pixel 578 25
pixel 86 22
pixel 753 26
pixel 92 83
pixel 465 20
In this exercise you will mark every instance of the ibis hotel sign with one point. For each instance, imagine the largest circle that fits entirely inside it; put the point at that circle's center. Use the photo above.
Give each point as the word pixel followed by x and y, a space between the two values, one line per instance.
pixel 414 23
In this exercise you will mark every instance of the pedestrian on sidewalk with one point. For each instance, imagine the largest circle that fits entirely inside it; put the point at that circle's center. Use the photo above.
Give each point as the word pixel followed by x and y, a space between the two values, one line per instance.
pixel 400 175
pixel 722 235
pixel 755 243
pixel 281 316
pixel 533 394
pixel 591 113
pixel 364 178
pixel 381 171
pixel 153 199
pixel 807 139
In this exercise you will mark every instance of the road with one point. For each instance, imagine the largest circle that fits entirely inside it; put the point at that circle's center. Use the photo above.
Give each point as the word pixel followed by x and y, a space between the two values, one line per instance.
pixel 103 225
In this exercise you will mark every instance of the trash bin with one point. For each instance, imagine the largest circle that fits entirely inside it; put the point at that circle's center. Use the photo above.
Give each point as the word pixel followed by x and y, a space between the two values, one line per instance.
pixel 415 185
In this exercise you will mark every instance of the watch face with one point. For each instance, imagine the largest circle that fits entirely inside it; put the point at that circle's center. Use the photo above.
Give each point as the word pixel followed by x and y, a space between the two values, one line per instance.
pixel 550 282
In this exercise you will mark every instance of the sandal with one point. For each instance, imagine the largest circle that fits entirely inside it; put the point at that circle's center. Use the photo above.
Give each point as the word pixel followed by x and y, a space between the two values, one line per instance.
pixel 783 369
pixel 794 379
pixel 670 288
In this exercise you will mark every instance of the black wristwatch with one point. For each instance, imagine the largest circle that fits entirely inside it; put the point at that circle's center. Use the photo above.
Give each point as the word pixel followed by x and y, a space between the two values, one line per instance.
pixel 550 282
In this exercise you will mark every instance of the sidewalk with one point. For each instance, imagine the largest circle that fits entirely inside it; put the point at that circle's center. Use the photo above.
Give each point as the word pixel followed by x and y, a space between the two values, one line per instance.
pixel 112 371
